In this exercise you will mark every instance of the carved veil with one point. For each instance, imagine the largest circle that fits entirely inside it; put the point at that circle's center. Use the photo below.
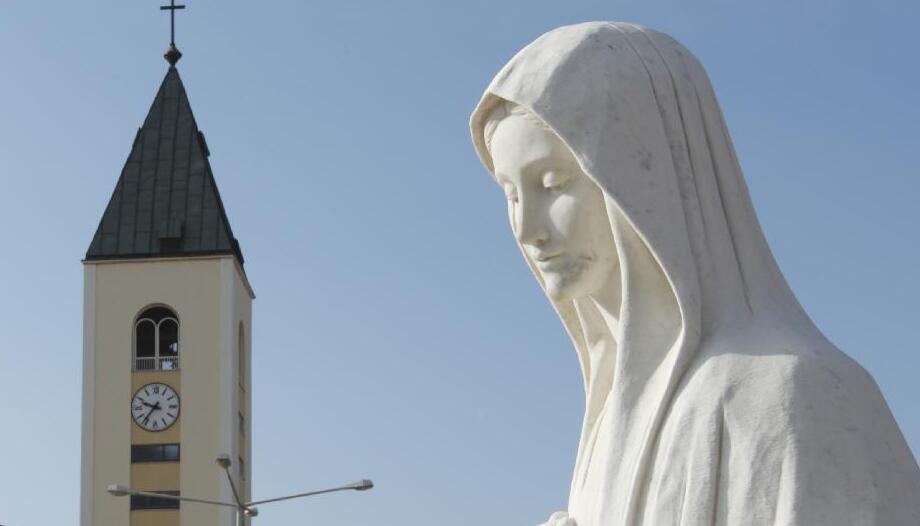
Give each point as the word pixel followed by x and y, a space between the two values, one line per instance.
pixel 722 403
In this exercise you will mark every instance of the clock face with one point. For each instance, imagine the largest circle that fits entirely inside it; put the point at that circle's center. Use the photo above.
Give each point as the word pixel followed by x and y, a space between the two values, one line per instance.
pixel 155 407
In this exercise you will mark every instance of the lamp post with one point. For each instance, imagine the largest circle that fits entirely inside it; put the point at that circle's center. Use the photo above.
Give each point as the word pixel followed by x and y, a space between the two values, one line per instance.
pixel 247 509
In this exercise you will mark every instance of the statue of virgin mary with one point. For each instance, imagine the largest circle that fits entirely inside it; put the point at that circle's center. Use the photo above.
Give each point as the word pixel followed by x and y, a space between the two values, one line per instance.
pixel 710 396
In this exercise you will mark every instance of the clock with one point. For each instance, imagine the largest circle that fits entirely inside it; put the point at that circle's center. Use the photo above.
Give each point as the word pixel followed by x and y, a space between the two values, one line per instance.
pixel 155 407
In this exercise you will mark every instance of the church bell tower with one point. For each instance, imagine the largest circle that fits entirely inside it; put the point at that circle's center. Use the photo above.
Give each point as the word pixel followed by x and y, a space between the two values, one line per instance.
pixel 166 333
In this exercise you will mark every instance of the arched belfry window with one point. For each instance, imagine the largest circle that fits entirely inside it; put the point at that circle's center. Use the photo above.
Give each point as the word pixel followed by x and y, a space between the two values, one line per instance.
pixel 156 340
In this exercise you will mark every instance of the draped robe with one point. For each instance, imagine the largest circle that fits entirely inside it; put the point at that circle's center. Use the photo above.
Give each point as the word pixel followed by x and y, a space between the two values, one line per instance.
pixel 714 400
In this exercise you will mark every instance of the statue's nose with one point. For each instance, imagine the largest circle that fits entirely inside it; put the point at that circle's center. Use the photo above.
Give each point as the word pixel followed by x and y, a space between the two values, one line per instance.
pixel 529 223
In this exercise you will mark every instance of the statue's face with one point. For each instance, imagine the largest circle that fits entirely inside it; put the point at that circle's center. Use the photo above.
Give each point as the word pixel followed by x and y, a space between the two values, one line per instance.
pixel 557 212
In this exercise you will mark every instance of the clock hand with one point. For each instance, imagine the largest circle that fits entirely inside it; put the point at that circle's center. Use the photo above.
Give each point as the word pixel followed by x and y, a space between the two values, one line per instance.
pixel 146 418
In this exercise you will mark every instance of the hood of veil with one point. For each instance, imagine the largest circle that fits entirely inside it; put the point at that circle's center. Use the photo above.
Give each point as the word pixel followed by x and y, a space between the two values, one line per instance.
pixel 639 114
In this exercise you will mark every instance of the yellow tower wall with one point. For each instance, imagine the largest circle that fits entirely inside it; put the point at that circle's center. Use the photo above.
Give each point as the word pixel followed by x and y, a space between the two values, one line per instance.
pixel 211 297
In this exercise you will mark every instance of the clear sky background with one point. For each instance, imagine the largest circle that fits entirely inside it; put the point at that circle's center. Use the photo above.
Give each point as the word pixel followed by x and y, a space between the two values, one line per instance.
pixel 398 335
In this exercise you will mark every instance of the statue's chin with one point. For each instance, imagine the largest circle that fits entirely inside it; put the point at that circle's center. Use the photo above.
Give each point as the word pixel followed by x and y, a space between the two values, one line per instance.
pixel 561 288
pixel 569 286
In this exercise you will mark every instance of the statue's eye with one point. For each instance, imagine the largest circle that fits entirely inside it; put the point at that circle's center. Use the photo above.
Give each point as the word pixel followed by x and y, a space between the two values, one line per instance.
pixel 556 181
pixel 510 192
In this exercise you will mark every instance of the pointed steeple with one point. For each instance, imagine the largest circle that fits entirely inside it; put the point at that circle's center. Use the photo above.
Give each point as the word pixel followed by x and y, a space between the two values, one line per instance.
pixel 166 202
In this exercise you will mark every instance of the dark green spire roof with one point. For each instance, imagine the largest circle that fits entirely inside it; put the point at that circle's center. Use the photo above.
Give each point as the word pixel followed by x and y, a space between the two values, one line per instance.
pixel 166 202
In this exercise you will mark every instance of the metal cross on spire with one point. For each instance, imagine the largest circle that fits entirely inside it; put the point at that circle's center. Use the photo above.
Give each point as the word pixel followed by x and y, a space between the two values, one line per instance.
pixel 172 53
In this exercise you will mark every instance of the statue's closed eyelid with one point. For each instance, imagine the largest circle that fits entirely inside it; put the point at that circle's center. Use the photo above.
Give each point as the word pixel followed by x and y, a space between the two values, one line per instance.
pixel 556 179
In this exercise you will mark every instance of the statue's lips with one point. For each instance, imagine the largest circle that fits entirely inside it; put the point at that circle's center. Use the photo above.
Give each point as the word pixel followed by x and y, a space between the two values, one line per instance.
pixel 550 262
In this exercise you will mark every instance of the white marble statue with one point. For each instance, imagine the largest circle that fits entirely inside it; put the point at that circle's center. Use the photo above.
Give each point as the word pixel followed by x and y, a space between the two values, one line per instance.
pixel 711 398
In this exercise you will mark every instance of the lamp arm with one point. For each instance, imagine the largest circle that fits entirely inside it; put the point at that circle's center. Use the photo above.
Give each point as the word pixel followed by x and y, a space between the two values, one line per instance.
pixel 297 496
pixel 236 494
pixel 178 497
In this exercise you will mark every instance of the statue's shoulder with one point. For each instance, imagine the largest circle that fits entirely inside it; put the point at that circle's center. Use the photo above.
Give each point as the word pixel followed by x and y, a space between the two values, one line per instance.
pixel 779 376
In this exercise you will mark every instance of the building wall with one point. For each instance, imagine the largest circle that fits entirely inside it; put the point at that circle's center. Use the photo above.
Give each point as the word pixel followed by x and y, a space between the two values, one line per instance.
pixel 243 316
pixel 210 295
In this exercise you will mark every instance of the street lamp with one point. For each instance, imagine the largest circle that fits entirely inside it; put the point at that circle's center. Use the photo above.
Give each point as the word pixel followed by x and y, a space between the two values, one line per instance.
pixel 247 509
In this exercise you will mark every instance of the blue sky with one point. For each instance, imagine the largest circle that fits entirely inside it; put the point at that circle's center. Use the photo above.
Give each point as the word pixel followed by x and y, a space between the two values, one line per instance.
pixel 394 313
